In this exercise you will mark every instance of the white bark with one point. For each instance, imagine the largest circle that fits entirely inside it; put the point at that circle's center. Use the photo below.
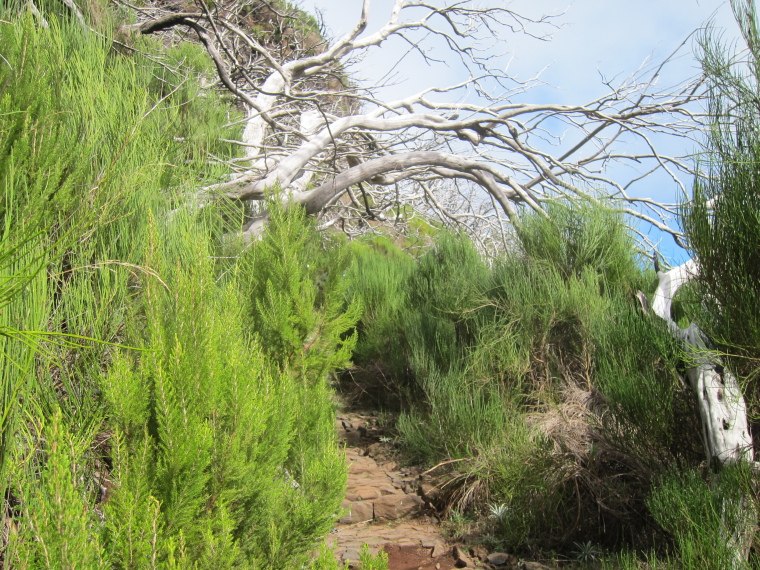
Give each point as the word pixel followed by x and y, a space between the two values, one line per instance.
pixel 256 127
pixel 491 145
pixel 722 408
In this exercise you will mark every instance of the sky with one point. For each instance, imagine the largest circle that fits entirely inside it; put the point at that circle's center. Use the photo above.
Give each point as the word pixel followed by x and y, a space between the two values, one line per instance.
pixel 593 40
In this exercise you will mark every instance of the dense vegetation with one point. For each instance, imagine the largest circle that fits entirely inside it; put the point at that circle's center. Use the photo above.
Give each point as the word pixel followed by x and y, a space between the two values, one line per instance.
pixel 161 442
pixel 559 396
pixel 166 395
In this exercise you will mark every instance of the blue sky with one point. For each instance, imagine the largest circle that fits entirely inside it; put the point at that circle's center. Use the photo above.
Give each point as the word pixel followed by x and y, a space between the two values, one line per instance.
pixel 594 39
pixel 613 37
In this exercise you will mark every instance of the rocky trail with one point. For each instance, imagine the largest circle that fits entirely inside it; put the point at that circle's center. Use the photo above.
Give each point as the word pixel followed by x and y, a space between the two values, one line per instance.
pixel 387 508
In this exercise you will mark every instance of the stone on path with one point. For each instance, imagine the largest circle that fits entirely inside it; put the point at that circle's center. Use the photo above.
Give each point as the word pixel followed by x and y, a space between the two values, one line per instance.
pixel 381 503
pixel 501 559
pixel 463 559
pixel 358 512
pixel 394 507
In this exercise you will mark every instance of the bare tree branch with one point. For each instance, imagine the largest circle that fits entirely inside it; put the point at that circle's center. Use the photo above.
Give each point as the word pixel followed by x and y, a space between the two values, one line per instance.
pixel 304 115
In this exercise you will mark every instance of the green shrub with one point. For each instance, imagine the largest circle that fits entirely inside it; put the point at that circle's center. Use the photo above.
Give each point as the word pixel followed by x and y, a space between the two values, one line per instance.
pixel 326 560
pixel 722 221
pixel 557 397
pixel 652 419
pixel 176 453
pixel 378 277
pixel 298 296
pixel 700 516
pixel 576 235
pixel 54 501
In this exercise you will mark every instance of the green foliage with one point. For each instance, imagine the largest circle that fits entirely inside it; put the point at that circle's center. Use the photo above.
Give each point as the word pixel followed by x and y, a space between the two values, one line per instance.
pixel 578 235
pixel 447 283
pixel 632 560
pixel 378 276
pixel 368 561
pixel 722 221
pixel 326 560
pixel 701 517
pixel 650 409
pixel 22 310
pixel 175 454
pixel 237 482
pixel 54 503
pixel 298 296
pixel 560 400
pixel 538 373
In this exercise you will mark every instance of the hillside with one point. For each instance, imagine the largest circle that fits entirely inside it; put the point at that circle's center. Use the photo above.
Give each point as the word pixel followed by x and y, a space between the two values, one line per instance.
pixel 170 384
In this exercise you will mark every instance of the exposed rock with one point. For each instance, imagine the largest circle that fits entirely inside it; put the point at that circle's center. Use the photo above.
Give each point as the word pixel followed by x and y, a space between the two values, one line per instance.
pixel 532 566
pixel 438 550
pixel 358 511
pixel 363 493
pixel 351 555
pixel 463 559
pixel 501 559
pixel 429 492
pixel 479 551
pixel 375 495
pixel 358 467
pixel 392 507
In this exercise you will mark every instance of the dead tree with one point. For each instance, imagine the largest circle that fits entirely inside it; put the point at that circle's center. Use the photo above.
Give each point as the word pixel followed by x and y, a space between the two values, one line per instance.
pixel 720 401
pixel 480 162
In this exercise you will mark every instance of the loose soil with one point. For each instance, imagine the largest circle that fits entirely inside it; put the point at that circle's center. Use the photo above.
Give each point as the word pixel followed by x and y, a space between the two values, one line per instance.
pixel 387 508
pixel 383 507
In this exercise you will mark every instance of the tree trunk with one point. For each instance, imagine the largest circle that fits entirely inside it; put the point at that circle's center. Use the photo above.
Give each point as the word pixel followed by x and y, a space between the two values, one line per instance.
pixel 722 408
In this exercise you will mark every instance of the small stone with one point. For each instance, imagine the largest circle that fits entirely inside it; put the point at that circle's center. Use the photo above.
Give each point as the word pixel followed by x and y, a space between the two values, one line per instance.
pixel 439 549
pixel 392 507
pixel 500 559
pixel 462 559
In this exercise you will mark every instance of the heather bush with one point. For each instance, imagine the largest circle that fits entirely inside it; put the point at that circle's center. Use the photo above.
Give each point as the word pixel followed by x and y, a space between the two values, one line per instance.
pixel 535 377
pixel 142 392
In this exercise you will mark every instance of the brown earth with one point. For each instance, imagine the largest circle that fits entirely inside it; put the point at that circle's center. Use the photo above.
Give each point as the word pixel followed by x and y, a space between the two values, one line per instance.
pixel 385 509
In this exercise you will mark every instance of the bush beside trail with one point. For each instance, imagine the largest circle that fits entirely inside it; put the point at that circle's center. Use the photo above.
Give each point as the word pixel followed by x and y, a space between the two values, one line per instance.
pixel 165 399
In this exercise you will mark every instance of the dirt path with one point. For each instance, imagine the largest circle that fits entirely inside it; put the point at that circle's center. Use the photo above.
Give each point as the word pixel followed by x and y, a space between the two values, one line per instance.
pixel 384 509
